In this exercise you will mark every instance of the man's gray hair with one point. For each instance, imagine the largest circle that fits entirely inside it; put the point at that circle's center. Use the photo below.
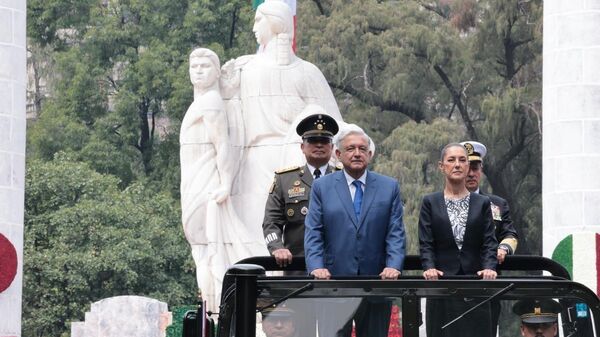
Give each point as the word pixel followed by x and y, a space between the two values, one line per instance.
pixel 351 129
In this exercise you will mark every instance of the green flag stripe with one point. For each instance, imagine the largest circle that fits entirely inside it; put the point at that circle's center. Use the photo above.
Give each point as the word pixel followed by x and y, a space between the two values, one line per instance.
pixel 563 254
pixel 255 3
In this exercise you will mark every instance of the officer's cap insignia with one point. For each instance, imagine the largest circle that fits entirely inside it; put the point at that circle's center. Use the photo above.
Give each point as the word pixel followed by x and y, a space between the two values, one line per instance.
pixel 317 126
pixel 475 150
pixel 469 148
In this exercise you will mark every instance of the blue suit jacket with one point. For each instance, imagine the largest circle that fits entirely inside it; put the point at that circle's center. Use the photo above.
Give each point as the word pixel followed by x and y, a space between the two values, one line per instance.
pixel 335 239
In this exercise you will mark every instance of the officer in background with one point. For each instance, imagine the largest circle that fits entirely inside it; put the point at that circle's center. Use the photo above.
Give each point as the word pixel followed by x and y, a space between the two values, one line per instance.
pixel 505 231
pixel 506 234
pixel 287 203
pixel 278 321
pixel 538 317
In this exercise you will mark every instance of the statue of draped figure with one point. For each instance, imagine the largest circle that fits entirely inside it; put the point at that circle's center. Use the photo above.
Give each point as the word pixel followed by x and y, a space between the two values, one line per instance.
pixel 269 90
pixel 217 237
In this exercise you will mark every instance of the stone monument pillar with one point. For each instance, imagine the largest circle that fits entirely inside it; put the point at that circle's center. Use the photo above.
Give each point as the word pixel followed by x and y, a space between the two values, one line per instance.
pixel 571 121
pixel 12 162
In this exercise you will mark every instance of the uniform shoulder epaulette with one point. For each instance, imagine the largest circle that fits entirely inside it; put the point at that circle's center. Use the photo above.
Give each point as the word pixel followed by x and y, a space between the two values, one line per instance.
pixel 287 169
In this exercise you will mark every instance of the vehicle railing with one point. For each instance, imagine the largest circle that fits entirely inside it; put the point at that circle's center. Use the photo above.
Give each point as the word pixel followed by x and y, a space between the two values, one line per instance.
pixel 249 278
pixel 413 262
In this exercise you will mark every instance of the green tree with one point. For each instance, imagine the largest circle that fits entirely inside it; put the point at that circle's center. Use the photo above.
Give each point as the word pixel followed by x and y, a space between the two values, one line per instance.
pixel 86 240
pixel 476 63
pixel 122 76
pixel 411 153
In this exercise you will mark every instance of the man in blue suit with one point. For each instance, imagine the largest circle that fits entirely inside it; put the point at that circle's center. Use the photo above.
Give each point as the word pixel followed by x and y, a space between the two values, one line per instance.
pixel 354 227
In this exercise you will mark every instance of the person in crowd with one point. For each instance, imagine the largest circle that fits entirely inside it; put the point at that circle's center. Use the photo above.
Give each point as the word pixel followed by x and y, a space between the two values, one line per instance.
pixel 354 227
pixel 456 237
pixel 287 204
pixel 539 317
pixel 506 234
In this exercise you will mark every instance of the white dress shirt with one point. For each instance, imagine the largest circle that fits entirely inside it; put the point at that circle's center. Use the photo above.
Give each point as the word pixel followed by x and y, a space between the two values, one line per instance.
pixel 349 180
pixel 311 168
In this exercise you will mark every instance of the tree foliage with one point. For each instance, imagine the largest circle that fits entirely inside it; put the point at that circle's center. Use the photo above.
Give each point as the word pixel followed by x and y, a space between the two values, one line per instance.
pixel 87 240
pixel 476 64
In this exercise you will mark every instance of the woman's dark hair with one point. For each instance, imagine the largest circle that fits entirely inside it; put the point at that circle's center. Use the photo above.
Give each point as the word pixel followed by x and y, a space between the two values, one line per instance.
pixel 445 149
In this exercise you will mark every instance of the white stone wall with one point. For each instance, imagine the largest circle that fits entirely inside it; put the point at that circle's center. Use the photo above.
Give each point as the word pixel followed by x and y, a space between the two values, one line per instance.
pixel 571 138
pixel 12 152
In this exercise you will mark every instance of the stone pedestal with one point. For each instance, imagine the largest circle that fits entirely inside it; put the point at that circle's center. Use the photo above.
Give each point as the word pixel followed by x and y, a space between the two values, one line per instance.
pixel 132 316
pixel 571 127
pixel 12 162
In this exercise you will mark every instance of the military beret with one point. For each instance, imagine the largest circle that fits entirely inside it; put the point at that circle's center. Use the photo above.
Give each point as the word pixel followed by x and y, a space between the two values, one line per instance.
pixel 317 125
pixel 475 150
pixel 537 311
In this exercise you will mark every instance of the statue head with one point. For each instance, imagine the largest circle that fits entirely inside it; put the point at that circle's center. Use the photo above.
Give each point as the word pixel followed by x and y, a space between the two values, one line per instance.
pixel 273 17
pixel 204 67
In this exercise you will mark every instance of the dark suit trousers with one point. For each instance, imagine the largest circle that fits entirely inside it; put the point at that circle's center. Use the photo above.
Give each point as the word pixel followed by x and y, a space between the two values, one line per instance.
pixel 477 323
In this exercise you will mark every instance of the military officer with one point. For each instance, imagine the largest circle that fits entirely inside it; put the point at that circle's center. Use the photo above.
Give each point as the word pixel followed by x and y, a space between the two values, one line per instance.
pixel 505 231
pixel 538 317
pixel 279 321
pixel 287 203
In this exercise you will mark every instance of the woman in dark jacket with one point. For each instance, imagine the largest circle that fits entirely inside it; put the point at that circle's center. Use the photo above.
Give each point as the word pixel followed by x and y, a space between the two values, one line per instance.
pixel 456 237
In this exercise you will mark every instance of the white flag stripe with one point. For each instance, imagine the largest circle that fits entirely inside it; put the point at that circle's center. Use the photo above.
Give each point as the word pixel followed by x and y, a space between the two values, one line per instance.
pixel 292 4
pixel 584 259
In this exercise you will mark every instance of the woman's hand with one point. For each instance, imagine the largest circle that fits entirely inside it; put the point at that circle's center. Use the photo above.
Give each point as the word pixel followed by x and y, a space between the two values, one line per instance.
pixel 487 274
pixel 432 274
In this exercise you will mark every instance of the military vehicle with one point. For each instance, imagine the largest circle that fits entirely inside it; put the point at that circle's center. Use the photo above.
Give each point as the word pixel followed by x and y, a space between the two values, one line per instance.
pixel 248 294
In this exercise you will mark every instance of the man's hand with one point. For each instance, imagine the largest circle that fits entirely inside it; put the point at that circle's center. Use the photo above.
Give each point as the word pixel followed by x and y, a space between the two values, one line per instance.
pixel 487 274
pixel 432 274
pixel 321 274
pixel 389 273
pixel 501 255
pixel 283 257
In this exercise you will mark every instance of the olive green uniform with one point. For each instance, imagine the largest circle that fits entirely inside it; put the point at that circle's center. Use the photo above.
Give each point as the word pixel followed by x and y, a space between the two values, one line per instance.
pixel 286 208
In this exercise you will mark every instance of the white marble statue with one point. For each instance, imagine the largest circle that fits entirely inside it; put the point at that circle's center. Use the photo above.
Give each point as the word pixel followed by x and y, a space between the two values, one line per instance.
pixel 270 89
pixel 216 235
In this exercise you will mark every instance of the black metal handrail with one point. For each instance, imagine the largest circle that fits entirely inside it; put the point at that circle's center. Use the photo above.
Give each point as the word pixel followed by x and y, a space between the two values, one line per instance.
pixel 410 288
pixel 413 262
